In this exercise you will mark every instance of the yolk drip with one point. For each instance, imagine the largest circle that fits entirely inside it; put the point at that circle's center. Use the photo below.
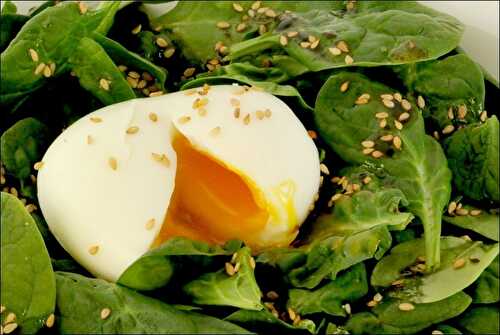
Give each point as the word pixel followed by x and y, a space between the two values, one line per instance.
pixel 210 202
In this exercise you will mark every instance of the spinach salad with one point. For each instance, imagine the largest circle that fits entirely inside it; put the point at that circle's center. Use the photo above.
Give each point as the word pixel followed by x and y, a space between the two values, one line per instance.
pixel 403 237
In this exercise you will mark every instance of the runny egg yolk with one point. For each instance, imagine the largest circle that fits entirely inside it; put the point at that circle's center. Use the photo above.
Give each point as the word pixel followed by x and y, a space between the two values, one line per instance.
pixel 210 202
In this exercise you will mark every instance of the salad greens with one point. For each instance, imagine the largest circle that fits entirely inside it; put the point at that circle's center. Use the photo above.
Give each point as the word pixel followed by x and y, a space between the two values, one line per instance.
pixel 403 237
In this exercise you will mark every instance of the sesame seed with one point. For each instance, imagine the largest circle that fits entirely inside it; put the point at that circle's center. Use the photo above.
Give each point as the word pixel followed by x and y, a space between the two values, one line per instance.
pixel 2 309
pixel 387 138
pixel 202 111
pixel 475 212
pixel 270 13
pixel 377 297
pixel 291 313
pixel 241 27
pixel 246 119
pixel 237 267
pixel 362 99
pixel 343 46
pixel 305 45
pixel 312 134
pixel 9 328
pixel 112 162
pixel 461 211
pixel 237 7
pixel 105 313
pixel 386 97
pixel 260 114
pixel 398 125
pixel 252 262
pixel 223 50
pixel 256 5
pixel 132 130
pixel 38 166
pixel 452 206
pixel 466 238
pixel 388 103
pixel 215 131
pixel 229 268
pixel 234 102
pixel 382 123
pixel 436 135
pixel 406 307
pixel 382 115
pixel 150 224
pixel 153 117
pixel 483 116
pixel 405 104
pixel 292 33
pixel 451 116
pixel 459 263
pixel 184 119
pixel 311 38
pixel 137 29
pixel 344 86
pixel 39 69
pixel 104 84
pixel 437 332
pixel 377 154
pixel 420 102
pixel 396 141
pixel 448 129
pixel 348 60
pixel 223 25
pixel 161 42
pixel 314 44
pixel 398 97
pixel 82 7
pixel 459 205
pixel 251 13
pixel 324 169
pixel 272 295
pixel 11 317
pixel 31 208
pixel 14 192
pixel 133 82
pixel 474 259
pixel 141 84
pixel 283 40
pixel 33 55
pixel 161 158
pixel 367 180
pixel 368 151
pixel 371 303
pixel 93 249
pixel 198 103
pixel 50 321
pixel 169 52
pixel 134 74
pixel 347 308
pixel 155 94
pixel 122 68
pixel 368 144
pixel 52 67
pixel 47 72
pixel 462 111
pixel 268 113
pixel 236 113
pixel 189 71
pixel 404 116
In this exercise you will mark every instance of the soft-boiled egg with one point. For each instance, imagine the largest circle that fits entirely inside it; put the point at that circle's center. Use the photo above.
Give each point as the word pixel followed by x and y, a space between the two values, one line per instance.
pixel 212 164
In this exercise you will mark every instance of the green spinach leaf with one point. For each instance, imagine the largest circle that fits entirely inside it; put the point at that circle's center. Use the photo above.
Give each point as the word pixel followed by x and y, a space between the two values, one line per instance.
pixel 98 74
pixel 481 320
pixel 485 223
pixel 22 145
pixel 221 288
pixel 462 263
pixel 80 301
pixel 473 158
pixel 155 268
pixel 28 285
pixel 487 286
pixel 453 86
pixel 9 8
pixel 347 287
pixel 265 322
pixel 360 124
pixel 10 24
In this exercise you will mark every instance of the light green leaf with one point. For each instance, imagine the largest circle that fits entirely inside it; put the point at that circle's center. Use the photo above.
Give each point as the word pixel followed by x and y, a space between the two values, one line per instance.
pixel 485 223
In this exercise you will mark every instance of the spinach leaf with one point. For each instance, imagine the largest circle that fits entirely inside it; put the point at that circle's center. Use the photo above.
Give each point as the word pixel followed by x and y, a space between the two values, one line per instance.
pixel 487 286
pixel 350 118
pixel 221 288
pixel 374 33
pixel 367 323
pixel 155 268
pixel 473 158
pixel 9 7
pixel 93 67
pixel 348 286
pixel 10 24
pixel 22 145
pixel 267 79
pixel 80 301
pixel 266 323
pixel 453 86
pixel 28 284
pixel 485 223
pixel 481 320
pixel 121 55
pixel 53 34
pixel 450 278
pixel 446 329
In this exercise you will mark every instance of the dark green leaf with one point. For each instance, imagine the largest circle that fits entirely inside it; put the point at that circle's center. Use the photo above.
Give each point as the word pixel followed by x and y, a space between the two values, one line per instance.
pixel 481 320
pixel 10 24
pixel 473 158
pixel 266 323
pixel 446 329
pixel 419 169
pixel 91 64
pixel 28 284
pixel 485 223
pixel 22 145
pixel 347 287
pixel 155 268
pixel 80 301
pixel 444 282
pixel 221 289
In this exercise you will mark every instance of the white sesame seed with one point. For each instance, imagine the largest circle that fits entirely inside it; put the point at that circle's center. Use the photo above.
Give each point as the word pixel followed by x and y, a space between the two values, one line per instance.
pixel 150 224
pixel 38 166
pixel 459 263
pixel 267 113
pixel 305 45
pixel 451 116
pixel 256 5
pixel 236 113
pixel 461 211
pixel 9 328
pixel 324 169
pixel 388 103
pixel 420 102
pixel 448 129
pixel 483 116
pixel 371 303
pixel 344 86
pixel 382 115
pixel 347 308
pixel 377 297
pixel 368 144
pixel 398 125
pixel 335 51
pixel 283 40
pixel 133 82
pixel 452 207
pixel 33 55
pixel 113 163
pixel 367 180
pixel 387 138
pixel 93 249
pixel 291 314
pixel 189 71
pixel 234 102
pixel 404 116
pixel 292 34
pixel 161 42
pixel 237 7
pixel 156 94
pixel 2 309
pixel 252 262
pixel 122 68
pixel 105 313
pixel 405 104
pixel 343 46
pixel 47 72
pixel 240 28
pixel 161 158
pixel 137 29
pixel 39 69
pixel 132 130
pixel 377 154
pixel 314 44
pixel 153 117
pixel 215 131
pixel 397 142
pixel 406 307
pixel 272 295
pixel 386 97
pixel 95 119
pixel 11 317
pixel 462 111
pixel 223 25
pixel 437 332
pixel 348 60
pixel 184 119
pixel 398 97
pixel 260 114
pixel 368 151
pixel 141 84
pixel 246 119
pixel 229 269
pixel 270 13
pixel 82 7
pixel 237 267
pixel 475 212
pixel 50 321
pixel 169 52
pixel 104 84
